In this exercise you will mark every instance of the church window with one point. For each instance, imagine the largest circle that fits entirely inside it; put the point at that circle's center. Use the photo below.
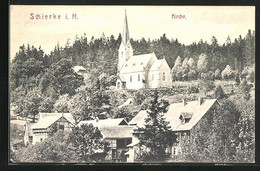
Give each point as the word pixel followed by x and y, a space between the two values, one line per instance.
pixel 122 54
pixel 164 76
pixel 138 77
pixel 152 77
pixel 130 78
pixel 174 150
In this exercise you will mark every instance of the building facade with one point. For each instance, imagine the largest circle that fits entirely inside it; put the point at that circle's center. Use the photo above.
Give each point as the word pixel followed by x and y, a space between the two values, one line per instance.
pixel 183 118
pixel 48 123
pixel 140 71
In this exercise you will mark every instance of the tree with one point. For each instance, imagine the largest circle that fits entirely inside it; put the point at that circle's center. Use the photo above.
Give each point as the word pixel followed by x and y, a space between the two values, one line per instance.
pixel 55 149
pixel 87 140
pixel 219 93
pixel 217 74
pixel 29 105
pixel 245 89
pixel 47 105
pixel 90 101
pixel 61 78
pixel 156 135
pixel 62 104
pixel 191 63
pixel 211 140
pixel 227 73
pixel 205 86
pixel 202 65
pixel 177 65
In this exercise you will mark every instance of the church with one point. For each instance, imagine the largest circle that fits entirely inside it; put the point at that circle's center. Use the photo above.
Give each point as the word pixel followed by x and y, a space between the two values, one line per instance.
pixel 140 71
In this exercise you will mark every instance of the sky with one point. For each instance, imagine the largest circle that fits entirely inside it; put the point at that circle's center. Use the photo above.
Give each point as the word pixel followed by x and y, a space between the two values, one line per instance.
pixel 200 22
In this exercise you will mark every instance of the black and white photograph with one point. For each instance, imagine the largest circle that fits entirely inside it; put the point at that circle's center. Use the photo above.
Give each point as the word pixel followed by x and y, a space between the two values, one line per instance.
pixel 131 84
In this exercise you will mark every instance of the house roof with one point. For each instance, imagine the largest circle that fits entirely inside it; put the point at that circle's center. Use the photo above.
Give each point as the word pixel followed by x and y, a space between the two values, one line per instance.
pixel 79 68
pixel 137 63
pixel 104 122
pixel 120 131
pixel 156 65
pixel 47 119
pixel 177 109
pixel 139 119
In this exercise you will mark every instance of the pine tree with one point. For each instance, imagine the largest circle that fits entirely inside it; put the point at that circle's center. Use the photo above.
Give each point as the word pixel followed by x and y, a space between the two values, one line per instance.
pixel 156 135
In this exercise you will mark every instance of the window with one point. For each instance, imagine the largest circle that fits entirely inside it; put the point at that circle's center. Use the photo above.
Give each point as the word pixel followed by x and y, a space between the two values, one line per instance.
pixel 121 143
pixel 174 151
pixel 30 139
pixel 122 53
pixel 113 153
pixel 130 78
pixel 41 139
pixel 164 76
pixel 61 127
pixel 138 77
pixel 118 85
pixel 152 77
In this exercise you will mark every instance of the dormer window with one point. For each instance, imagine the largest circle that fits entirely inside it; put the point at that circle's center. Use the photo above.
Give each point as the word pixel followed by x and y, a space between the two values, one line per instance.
pixel 185 117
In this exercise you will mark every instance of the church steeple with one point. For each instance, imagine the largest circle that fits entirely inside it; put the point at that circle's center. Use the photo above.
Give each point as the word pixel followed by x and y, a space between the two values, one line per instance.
pixel 125 50
pixel 125 37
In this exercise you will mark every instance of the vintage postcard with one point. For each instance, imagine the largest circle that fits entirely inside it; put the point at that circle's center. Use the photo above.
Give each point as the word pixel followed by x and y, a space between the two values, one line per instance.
pixel 132 84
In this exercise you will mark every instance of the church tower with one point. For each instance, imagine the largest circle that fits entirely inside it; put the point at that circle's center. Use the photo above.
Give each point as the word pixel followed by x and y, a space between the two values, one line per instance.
pixel 125 50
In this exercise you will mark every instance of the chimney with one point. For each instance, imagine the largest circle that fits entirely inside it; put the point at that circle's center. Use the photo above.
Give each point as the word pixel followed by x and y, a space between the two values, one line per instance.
pixel 200 99
pixel 184 102
pixel 97 119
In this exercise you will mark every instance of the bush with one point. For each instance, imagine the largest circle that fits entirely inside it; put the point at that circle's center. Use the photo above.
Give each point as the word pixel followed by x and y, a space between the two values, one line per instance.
pixel 192 89
pixel 217 74
pixel 205 86
pixel 245 89
pixel 219 93
pixel 227 73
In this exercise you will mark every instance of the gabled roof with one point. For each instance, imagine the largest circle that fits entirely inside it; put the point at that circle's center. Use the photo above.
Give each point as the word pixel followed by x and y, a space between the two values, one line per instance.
pixel 137 63
pixel 139 119
pixel 105 122
pixel 120 131
pixel 79 68
pixel 176 110
pixel 47 119
pixel 156 65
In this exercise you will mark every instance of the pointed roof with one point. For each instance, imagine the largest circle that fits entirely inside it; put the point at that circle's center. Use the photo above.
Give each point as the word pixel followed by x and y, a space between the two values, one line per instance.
pixel 47 119
pixel 137 63
pixel 125 36
pixel 156 65
pixel 192 110
pixel 119 131
pixel 105 122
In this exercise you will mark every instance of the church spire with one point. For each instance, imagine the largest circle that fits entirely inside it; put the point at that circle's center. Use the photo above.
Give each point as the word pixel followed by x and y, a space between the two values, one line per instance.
pixel 125 36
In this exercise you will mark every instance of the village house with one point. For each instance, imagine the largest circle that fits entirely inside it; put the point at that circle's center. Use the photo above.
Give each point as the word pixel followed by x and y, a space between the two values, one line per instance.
pixel 140 71
pixel 117 133
pixel 47 124
pixel 183 118
pixel 80 70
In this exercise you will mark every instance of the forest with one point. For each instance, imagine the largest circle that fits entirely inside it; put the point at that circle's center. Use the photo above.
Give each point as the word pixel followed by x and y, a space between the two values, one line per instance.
pixel 41 82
